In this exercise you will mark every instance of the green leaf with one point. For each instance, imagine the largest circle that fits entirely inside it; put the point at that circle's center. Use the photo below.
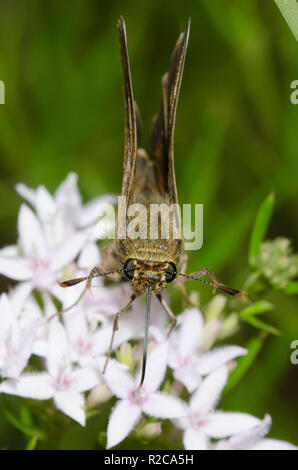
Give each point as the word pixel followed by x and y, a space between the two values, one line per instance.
pixel 261 325
pixel 261 306
pixel 260 228
pixel 289 10
pixel 292 288
pixel 244 362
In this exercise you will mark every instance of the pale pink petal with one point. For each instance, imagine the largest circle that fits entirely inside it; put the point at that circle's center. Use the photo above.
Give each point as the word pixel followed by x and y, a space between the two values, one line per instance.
pixel 194 440
pixel 31 234
pixel 248 438
pixel 67 194
pixel 19 295
pixel 206 397
pixel 223 424
pixel 89 257
pixel 191 332
pixel 45 205
pixel 72 404
pixel 217 357
pixel 120 382
pixel 26 192
pixel 18 361
pixel 84 379
pixel 15 268
pixel 58 351
pixel 36 385
pixel 7 316
pixel 124 417
pixel 95 209
pixel 157 365
pixel 188 377
pixel 67 251
pixel 273 444
pixel 163 405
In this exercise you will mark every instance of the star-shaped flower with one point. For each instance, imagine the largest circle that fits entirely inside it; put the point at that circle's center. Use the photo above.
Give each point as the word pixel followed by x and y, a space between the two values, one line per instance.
pixel 203 423
pixel 187 360
pixel 133 400
pixel 62 382
pixel 38 263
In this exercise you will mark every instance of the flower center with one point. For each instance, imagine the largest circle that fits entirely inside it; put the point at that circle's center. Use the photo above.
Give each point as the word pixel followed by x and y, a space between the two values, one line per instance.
pixel 138 397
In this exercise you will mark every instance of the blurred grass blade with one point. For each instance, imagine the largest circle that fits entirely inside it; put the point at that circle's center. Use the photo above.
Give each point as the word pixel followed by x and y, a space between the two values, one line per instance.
pixel 261 325
pixel 292 288
pixel 244 362
pixel 260 228
pixel 261 306
pixel 32 442
pixel 29 431
pixel 289 10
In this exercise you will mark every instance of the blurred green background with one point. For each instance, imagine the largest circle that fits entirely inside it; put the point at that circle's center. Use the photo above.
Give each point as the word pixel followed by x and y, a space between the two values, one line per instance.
pixel 236 139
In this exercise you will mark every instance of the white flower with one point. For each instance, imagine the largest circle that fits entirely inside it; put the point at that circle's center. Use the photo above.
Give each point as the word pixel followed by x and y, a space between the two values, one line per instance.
pixel 186 359
pixel 39 264
pixel 62 382
pixel 16 344
pixel 127 411
pixel 63 214
pixel 203 423
pixel 253 439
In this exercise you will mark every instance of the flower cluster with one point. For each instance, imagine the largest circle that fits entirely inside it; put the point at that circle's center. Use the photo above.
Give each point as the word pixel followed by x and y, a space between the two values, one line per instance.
pixel 57 240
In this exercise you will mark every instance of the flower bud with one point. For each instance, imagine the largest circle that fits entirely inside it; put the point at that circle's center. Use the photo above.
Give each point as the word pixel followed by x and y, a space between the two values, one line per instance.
pixel 98 395
pixel 125 354
pixel 215 307
pixel 150 431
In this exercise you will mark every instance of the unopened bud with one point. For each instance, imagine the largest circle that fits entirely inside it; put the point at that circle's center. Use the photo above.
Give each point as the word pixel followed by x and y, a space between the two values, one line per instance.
pixel 150 431
pixel 98 395
pixel 212 331
pixel 125 354
pixel 215 307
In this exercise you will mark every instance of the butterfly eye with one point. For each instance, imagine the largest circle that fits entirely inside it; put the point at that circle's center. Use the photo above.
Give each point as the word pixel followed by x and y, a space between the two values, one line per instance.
pixel 171 272
pixel 129 268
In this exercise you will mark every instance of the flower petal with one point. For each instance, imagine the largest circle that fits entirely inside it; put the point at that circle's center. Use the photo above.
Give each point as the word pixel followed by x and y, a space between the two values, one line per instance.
pixel 217 357
pixel 157 364
pixel 15 268
pixel 67 251
pixel 206 397
pixel 31 234
pixel 58 352
pixel 18 361
pixel 94 209
pixel 191 332
pixel 26 192
pixel 84 379
pixel 124 417
pixel 72 404
pixel 194 440
pixel 163 405
pixel 248 438
pixel 19 295
pixel 273 444
pixel 89 257
pixel 37 386
pixel 222 424
pixel 67 194
pixel 120 382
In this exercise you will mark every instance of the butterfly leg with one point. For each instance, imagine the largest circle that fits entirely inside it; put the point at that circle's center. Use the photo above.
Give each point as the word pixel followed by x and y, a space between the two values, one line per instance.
pixel 180 283
pixel 169 312
pixel 115 327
